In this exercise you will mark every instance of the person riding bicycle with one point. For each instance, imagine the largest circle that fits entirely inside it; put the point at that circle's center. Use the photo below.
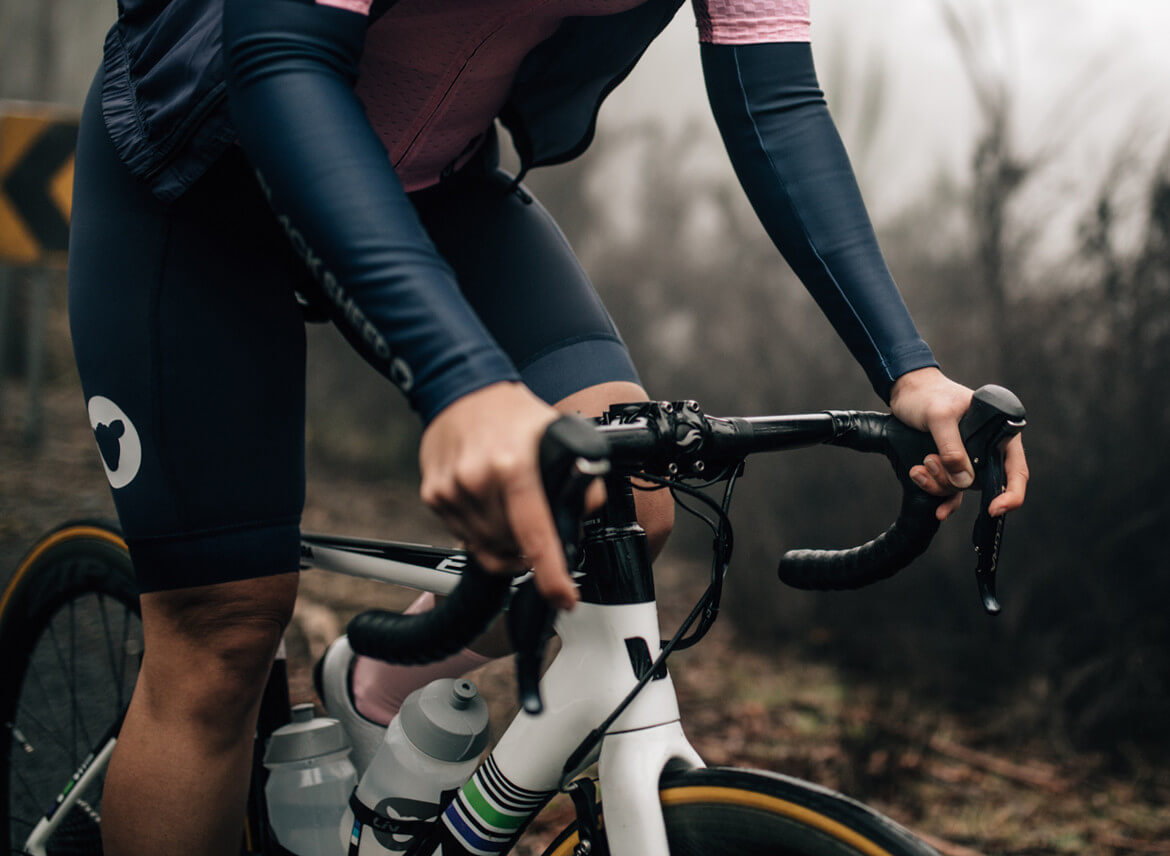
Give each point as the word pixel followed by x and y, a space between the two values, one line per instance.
pixel 235 154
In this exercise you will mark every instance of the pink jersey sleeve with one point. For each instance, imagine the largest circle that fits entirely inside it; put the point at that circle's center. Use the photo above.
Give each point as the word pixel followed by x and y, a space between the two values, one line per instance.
pixel 362 7
pixel 749 22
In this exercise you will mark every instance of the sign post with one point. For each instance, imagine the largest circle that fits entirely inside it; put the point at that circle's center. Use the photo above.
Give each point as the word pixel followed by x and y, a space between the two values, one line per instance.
pixel 6 278
pixel 36 183
pixel 37 145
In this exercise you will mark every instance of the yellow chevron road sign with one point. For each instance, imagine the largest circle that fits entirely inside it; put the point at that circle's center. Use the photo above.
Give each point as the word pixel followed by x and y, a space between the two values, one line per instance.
pixel 36 182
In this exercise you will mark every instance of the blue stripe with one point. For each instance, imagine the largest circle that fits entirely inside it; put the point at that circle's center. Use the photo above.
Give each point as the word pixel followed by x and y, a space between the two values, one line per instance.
pixel 458 826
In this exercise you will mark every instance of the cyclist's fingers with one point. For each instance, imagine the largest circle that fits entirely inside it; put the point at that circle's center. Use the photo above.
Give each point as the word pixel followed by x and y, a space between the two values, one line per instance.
pixel 438 493
pixel 957 470
pixel 948 506
pixel 934 483
pixel 532 526
pixel 466 521
pixel 498 563
pixel 489 542
pixel 471 501
pixel 485 521
pixel 931 477
pixel 1016 467
pixel 436 497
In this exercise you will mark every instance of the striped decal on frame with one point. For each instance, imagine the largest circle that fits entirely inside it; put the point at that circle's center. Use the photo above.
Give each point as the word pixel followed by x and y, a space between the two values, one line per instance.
pixel 489 812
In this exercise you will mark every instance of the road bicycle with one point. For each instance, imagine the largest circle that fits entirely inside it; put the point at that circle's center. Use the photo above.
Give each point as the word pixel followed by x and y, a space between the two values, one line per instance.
pixel 72 641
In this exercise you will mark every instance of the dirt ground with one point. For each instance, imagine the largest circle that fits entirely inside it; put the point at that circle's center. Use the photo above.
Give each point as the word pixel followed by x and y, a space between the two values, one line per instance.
pixel 951 779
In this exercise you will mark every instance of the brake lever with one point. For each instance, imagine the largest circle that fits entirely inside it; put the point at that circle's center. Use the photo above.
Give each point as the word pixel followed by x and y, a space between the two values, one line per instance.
pixel 572 455
pixel 986 536
pixel 530 619
pixel 995 416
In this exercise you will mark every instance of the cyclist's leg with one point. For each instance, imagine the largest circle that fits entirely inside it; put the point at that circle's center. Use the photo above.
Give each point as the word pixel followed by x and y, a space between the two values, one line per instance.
pixel 179 779
pixel 521 276
pixel 190 347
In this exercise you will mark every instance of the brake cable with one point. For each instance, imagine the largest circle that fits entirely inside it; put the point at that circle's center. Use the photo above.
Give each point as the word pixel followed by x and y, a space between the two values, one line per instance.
pixel 707 605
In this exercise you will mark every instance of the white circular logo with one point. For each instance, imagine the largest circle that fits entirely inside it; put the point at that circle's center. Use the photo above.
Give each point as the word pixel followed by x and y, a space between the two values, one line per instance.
pixel 117 441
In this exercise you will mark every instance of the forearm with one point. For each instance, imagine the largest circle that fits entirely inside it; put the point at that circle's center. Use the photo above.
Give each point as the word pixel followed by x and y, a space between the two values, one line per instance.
pixel 794 168
pixel 291 67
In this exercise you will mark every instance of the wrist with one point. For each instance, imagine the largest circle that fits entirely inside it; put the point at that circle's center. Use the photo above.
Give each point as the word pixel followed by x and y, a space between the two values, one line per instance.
pixel 915 379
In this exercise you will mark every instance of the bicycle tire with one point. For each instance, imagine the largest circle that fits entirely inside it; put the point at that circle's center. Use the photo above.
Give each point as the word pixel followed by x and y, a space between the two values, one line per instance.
pixel 71 634
pixel 723 811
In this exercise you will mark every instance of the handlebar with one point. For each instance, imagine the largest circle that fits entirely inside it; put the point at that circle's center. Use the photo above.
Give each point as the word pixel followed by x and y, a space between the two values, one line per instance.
pixel 571 454
pixel 676 440
pixel 995 416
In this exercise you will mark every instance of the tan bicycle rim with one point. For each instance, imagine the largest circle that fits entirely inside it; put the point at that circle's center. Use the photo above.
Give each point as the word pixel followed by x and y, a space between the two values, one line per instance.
pixel 706 794
pixel 68 534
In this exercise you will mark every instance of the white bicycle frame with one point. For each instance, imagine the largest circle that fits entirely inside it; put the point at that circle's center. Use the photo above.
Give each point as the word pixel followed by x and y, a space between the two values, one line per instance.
pixel 588 679
pixel 585 683
pixel 72 796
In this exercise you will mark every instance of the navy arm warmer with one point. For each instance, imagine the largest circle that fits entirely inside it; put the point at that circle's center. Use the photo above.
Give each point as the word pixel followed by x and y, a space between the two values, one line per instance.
pixel 291 68
pixel 790 161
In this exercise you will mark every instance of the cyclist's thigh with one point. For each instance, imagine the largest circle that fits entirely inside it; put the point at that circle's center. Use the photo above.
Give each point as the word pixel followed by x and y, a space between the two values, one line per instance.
pixel 190 347
pixel 520 275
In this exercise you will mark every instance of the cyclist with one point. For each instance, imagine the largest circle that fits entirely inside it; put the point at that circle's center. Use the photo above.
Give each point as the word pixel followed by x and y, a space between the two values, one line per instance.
pixel 205 120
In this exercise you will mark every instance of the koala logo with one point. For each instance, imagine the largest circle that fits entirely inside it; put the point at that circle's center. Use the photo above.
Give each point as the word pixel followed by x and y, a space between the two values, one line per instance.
pixel 405 821
pixel 117 440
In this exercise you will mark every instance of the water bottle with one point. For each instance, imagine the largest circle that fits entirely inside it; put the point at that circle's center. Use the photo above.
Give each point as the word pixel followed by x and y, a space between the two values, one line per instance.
pixel 430 749
pixel 310 779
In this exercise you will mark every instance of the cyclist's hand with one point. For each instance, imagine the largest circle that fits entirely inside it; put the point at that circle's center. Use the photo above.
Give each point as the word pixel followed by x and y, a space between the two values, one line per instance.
pixel 927 400
pixel 479 467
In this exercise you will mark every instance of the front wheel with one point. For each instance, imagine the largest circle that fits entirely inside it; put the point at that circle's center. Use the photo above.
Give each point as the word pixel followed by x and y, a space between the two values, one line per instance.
pixel 730 812
pixel 71 640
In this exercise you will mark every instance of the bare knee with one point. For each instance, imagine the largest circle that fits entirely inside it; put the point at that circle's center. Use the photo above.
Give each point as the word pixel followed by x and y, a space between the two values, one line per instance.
pixel 655 508
pixel 209 649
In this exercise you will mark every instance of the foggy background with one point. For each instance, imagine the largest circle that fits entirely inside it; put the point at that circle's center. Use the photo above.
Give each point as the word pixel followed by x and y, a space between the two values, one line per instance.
pixel 1015 159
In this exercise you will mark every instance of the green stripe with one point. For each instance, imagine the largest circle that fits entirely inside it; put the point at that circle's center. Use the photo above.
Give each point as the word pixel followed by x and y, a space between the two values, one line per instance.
pixel 486 811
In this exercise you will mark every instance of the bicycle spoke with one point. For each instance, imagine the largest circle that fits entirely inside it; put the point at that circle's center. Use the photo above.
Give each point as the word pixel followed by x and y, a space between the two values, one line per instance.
pixel 25 717
pixel 75 645
pixel 110 647
pixel 17 839
pixel 73 677
pixel 128 661
pixel 47 703
pixel 65 671
pixel 78 720
pixel 52 631
pixel 32 794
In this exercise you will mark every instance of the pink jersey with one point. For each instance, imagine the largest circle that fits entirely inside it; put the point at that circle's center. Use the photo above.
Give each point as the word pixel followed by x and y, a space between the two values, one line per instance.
pixel 436 73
